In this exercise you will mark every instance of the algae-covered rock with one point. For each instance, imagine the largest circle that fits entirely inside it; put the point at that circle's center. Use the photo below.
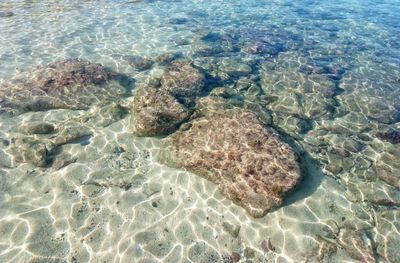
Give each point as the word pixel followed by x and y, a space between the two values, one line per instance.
pixel 139 63
pixel 232 148
pixel 37 128
pixel 68 84
pixel 167 58
pixel 392 136
pixel 155 112
pixel 30 150
pixel 72 134
pixel 160 110
pixel 234 67
pixel 181 79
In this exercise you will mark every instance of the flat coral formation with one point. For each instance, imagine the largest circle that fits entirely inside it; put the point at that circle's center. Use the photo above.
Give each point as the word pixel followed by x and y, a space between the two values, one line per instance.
pixel 232 148
pixel 156 112
pixel 69 84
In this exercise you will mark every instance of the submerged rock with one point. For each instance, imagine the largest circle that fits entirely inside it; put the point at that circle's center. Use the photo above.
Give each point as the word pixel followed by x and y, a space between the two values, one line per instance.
pixel 382 109
pixel 181 79
pixel 37 128
pixel 365 93
pixel 232 148
pixel 139 63
pixel 388 166
pixel 234 67
pixel 30 150
pixel 298 94
pixel 392 136
pixel 388 235
pixel 159 110
pixel 6 14
pixel 155 112
pixel 357 244
pixel 69 84
pixel 167 58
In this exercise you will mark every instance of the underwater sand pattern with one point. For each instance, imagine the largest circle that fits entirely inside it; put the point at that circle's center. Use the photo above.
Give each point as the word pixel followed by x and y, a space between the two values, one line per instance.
pixel 77 186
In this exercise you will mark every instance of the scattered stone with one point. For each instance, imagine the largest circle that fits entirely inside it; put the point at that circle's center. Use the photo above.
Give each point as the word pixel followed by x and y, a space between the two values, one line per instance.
pixel 343 145
pixel 357 244
pixel 221 92
pixel 6 14
pixel 178 21
pixel 157 242
pixel 392 136
pixel 232 148
pixel 244 83
pixel 209 36
pixel 155 112
pixel 30 150
pixel 263 48
pixel 290 124
pixel 234 67
pixel 72 134
pixel 139 63
pixel 266 245
pixel 37 128
pixel 182 42
pixel 376 192
pixel 231 229
pixel 249 253
pixel 201 252
pixel 62 160
pixel 109 114
pixel 235 257
pixel 4 142
pixel 167 58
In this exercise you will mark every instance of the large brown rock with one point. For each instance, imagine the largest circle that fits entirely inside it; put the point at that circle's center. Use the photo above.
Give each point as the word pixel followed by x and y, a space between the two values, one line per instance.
pixel 160 110
pixel 181 79
pixel 69 84
pixel 232 148
pixel 155 112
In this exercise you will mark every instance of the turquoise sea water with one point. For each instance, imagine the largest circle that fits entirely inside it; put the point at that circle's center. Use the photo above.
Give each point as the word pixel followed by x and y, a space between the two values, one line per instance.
pixel 325 73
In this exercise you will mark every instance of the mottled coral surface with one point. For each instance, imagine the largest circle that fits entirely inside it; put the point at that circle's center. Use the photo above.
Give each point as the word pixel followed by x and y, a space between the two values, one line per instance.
pixel 248 162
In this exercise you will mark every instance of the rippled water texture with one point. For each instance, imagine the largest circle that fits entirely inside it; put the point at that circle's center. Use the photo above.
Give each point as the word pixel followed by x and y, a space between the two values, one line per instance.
pixel 324 74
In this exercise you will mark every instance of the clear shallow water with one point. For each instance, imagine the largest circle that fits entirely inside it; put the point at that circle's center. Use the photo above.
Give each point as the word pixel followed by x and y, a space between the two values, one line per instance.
pixel 331 75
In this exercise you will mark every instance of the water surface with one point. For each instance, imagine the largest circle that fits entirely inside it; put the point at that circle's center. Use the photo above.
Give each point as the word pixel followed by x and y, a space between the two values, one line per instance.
pixel 330 74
